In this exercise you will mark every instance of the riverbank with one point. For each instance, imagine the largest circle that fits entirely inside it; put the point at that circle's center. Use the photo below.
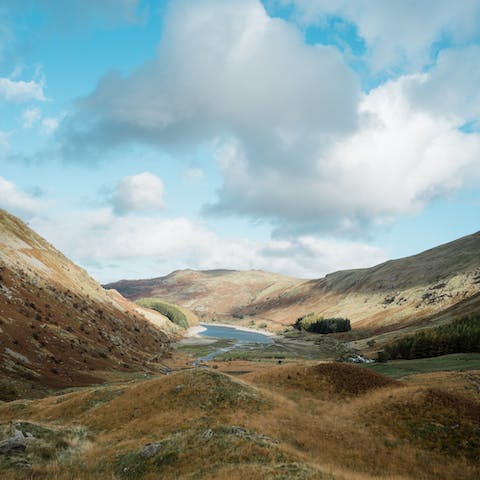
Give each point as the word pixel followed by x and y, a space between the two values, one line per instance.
pixel 194 331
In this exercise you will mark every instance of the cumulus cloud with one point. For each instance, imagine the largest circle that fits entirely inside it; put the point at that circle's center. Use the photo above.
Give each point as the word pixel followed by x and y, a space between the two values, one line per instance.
pixel 451 86
pixel 108 244
pixel 18 202
pixel 398 32
pixel 401 157
pixel 138 193
pixel 30 116
pixel 49 125
pixel 295 139
pixel 222 68
pixel 20 90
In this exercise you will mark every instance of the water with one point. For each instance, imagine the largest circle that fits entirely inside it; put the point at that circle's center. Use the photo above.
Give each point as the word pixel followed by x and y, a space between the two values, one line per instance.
pixel 241 338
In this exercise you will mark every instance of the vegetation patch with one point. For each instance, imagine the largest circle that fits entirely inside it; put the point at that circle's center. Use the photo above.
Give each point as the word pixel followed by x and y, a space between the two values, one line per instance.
pixel 434 420
pixel 203 349
pixel 351 380
pixel 42 445
pixel 445 363
pixel 317 324
pixel 212 390
pixel 173 313
pixel 460 336
pixel 192 449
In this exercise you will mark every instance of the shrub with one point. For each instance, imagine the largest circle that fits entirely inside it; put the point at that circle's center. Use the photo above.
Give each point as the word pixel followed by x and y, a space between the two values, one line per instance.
pixel 316 324
pixel 174 314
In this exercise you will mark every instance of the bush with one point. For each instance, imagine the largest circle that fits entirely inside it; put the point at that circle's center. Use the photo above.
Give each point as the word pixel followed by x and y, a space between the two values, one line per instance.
pixel 316 324
pixel 174 314
pixel 460 336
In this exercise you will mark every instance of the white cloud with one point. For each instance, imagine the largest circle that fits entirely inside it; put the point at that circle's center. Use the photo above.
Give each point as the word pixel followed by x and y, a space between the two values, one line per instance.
pixel 49 125
pixel 223 68
pixel 138 193
pixel 20 91
pixel 18 202
pixel 148 246
pixel 30 116
pixel 399 32
pixel 296 141
pixel 451 86
pixel 401 157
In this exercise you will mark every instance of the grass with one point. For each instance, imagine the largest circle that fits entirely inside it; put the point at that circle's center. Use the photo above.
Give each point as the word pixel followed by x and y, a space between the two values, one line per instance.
pixel 445 363
pixel 313 347
pixel 173 312
pixel 302 421
pixel 49 445
pixel 203 349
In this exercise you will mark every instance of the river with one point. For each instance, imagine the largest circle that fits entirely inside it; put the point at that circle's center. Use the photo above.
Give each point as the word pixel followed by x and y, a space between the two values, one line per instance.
pixel 241 338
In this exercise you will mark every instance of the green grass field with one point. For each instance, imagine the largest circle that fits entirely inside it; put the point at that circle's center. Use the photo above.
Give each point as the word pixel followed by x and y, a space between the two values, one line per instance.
pixel 445 363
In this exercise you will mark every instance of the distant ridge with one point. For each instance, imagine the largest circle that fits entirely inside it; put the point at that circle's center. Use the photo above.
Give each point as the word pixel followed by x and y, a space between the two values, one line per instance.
pixel 395 295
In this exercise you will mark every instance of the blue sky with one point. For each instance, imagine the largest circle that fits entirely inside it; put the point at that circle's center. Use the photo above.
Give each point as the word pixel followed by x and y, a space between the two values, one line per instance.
pixel 295 136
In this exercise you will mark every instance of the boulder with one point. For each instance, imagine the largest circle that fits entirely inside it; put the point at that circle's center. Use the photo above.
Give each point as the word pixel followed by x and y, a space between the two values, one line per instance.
pixel 150 450
pixel 15 444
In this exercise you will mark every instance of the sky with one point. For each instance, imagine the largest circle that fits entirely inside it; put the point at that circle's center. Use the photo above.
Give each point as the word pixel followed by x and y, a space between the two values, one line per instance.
pixel 295 136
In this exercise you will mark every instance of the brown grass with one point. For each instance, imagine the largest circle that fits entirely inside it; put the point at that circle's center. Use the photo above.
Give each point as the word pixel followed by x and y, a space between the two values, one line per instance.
pixel 329 421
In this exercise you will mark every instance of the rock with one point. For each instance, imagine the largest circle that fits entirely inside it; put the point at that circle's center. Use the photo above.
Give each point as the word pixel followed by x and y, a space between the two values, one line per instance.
pixel 238 430
pixel 18 435
pixel 178 388
pixel 150 450
pixel 15 444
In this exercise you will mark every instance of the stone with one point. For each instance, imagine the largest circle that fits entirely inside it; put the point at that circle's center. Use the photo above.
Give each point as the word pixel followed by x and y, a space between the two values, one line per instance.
pixel 15 444
pixel 150 450
pixel 207 434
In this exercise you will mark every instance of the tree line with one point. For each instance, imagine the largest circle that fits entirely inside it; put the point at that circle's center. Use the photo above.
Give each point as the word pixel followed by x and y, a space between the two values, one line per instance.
pixel 459 336
pixel 316 324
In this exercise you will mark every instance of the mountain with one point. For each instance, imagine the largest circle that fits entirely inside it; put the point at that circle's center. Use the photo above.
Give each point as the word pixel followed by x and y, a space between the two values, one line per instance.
pixel 210 293
pixel 58 327
pixel 394 295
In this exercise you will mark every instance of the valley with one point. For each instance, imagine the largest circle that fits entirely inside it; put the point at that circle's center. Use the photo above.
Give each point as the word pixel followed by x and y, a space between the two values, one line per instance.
pixel 205 377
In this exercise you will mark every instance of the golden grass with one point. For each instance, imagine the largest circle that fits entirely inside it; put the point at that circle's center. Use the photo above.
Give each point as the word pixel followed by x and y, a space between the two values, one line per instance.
pixel 329 421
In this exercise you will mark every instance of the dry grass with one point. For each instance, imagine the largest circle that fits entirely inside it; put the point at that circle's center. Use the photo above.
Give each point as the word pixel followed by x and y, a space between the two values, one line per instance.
pixel 324 421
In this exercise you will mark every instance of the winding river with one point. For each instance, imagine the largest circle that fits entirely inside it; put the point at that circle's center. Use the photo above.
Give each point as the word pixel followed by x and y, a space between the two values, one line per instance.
pixel 241 338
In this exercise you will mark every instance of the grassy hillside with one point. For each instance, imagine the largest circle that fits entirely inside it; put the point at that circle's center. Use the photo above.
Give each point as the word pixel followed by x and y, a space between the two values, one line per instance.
pixel 58 327
pixel 393 298
pixel 212 294
pixel 304 421
pixel 180 316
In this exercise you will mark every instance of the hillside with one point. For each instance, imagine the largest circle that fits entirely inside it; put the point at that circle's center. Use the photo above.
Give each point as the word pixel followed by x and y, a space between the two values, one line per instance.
pixel 393 295
pixel 58 327
pixel 299 421
pixel 211 293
